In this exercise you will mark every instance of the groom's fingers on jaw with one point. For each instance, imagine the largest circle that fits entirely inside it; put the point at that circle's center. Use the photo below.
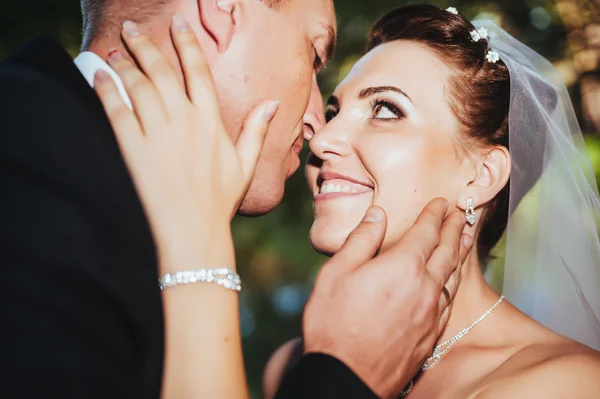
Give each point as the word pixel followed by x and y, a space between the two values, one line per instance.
pixel 124 123
pixel 451 287
pixel 198 76
pixel 156 67
pixel 444 318
pixel 466 243
pixel 424 235
pixel 450 290
pixel 446 257
pixel 362 244
pixel 144 97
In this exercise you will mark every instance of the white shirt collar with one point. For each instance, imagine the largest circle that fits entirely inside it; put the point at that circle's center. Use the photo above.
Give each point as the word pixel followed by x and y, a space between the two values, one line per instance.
pixel 88 63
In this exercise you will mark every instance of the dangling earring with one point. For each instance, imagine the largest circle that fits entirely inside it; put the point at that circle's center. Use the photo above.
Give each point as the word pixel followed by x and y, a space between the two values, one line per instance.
pixel 470 212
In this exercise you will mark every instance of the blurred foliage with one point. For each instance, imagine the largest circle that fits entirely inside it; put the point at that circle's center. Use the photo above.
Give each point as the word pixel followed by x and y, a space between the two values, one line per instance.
pixel 275 258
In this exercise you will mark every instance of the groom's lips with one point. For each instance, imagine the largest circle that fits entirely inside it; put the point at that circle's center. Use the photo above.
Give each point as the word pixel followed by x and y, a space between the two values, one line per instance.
pixel 296 149
pixel 298 144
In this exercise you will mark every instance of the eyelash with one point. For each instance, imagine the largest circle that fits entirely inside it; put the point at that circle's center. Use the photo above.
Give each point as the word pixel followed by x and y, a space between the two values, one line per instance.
pixel 332 113
pixel 394 109
pixel 318 62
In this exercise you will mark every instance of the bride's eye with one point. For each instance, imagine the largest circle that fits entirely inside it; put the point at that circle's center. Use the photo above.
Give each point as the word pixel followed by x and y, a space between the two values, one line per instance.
pixel 330 113
pixel 385 111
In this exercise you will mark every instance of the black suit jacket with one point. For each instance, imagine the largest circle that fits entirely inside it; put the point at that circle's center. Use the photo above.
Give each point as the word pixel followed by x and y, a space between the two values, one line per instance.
pixel 80 308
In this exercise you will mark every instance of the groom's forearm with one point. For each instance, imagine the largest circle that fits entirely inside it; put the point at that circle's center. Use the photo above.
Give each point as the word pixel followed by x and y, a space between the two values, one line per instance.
pixel 320 376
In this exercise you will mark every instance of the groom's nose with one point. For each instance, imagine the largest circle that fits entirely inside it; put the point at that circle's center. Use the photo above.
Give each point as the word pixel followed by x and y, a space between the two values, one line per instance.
pixel 314 117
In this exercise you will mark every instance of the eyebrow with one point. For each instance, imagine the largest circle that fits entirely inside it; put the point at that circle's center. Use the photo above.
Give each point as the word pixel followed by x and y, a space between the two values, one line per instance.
pixel 369 91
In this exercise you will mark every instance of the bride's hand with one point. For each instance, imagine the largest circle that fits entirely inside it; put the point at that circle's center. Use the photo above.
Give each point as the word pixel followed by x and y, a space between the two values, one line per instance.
pixel 189 174
pixel 190 178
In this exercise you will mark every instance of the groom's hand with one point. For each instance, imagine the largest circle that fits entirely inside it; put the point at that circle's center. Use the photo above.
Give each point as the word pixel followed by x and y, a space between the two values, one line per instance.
pixel 381 315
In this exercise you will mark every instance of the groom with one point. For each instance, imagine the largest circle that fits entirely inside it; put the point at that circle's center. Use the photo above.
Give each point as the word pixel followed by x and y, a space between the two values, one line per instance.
pixel 80 309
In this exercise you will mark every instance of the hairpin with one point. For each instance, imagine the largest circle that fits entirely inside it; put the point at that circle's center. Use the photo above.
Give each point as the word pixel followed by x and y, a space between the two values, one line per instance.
pixel 479 34
pixel 452 10
pixel 492 56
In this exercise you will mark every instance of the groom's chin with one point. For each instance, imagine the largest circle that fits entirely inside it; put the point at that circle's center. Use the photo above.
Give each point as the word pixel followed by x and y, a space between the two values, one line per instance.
pixel 258 203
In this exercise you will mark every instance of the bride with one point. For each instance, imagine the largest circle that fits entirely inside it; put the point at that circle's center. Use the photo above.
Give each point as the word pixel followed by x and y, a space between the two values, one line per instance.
pixel 440 107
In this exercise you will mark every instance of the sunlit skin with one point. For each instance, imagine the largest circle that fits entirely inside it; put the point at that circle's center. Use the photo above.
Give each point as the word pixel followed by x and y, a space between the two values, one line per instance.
pixel 250 64
pixel 391 129
pixel 280 66
pixel 392 140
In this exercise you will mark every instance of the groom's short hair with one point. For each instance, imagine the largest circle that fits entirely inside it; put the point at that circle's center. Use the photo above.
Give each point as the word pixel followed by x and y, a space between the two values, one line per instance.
pixel 276 4
pixel 100 15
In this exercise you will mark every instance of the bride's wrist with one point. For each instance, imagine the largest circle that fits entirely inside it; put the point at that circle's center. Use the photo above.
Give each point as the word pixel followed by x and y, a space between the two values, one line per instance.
pixel 198 248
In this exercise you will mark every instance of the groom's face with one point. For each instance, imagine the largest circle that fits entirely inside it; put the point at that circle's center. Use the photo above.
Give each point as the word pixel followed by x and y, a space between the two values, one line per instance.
pixel 274 55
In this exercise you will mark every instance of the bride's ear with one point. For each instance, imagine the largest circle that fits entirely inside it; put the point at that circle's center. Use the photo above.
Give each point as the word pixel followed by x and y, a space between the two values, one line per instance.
pixel 217 19
pixel 492 170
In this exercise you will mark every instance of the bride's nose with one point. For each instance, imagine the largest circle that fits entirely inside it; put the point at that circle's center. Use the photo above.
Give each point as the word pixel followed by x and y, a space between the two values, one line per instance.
pixel 330 142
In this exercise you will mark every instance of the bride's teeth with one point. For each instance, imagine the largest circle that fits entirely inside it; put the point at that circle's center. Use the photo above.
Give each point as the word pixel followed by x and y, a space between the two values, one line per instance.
pixel 327 188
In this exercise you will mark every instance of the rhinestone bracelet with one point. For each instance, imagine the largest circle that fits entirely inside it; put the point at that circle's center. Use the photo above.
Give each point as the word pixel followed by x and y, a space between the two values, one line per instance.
pixel 223 277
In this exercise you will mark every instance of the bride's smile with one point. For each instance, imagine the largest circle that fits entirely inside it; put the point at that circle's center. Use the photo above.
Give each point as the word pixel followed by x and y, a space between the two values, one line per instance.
pixel 331 183
pixel 426 113
pixel 391 141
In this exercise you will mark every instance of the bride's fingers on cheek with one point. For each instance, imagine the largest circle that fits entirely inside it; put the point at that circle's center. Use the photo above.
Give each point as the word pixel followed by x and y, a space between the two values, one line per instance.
pixel 198 77
pixel 144 98
pixel 125 124
pixel 154 65
pixel 251 140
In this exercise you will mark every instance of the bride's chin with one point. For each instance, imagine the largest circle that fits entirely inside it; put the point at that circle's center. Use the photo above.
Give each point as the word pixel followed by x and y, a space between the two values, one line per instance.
pixel 326 242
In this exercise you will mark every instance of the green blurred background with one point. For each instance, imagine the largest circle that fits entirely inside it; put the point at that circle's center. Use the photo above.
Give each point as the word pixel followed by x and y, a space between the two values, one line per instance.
pixel 274 256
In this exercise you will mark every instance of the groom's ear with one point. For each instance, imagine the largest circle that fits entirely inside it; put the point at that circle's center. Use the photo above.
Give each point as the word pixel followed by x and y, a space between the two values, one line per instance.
pixel 217 19
pixel 492 170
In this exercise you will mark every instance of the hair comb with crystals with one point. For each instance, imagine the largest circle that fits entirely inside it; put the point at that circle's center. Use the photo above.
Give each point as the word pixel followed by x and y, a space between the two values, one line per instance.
pixel 452 10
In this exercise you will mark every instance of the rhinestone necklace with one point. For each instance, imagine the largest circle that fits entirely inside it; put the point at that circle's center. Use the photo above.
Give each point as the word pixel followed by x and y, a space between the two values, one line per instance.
pixel 445 346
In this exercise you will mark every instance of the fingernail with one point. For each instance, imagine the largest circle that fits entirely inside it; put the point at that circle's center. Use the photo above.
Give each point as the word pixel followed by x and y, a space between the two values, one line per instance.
pixel 271 110
pixel 115 56
pixel 101 76
pixel 373 215
pixel 446 204
pixel 131 28
pixel 468 241
pixel 180 24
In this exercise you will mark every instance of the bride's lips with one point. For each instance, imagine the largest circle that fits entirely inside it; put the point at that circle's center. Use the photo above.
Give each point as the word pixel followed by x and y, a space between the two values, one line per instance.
pixel 333 185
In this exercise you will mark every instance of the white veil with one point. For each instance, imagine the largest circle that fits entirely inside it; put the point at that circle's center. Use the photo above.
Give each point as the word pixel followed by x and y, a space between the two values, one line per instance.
pixel 551 268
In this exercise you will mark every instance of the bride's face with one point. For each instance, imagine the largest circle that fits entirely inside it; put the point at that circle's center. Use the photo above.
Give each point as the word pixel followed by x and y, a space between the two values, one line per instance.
pixel 391 141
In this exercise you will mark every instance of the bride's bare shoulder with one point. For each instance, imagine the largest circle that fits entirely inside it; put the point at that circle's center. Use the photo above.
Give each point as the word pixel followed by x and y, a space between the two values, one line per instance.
pixel 556 369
